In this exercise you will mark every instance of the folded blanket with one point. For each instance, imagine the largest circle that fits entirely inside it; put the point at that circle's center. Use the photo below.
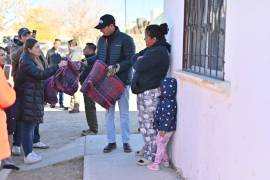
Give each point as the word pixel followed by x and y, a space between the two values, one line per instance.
pixel 102 89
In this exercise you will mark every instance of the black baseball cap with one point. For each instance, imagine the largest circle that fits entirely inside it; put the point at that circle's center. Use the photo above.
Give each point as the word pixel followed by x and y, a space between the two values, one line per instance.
pixel 105 20
pixel 23 31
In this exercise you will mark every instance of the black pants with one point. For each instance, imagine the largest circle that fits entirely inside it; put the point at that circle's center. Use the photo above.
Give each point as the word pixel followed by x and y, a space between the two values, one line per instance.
pixel 91 114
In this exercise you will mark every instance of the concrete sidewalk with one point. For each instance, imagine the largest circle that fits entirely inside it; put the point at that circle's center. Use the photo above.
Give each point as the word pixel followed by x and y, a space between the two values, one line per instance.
pixel 62 130
pixel 118 165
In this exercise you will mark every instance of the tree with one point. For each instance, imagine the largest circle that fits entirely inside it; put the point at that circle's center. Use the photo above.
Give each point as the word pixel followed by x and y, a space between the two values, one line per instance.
pixel 11 10
pixel 46 21
pixel 80 19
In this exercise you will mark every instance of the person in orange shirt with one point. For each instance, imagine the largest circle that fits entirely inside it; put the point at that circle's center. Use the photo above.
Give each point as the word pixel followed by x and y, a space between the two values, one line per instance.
pixel 7 98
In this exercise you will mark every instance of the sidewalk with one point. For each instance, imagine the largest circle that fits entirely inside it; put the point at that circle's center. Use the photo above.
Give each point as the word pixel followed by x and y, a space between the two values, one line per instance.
pixel 62 130
pixel 118 165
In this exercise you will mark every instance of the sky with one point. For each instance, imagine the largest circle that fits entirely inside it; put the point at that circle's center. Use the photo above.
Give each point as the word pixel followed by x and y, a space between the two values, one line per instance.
pixel 135 8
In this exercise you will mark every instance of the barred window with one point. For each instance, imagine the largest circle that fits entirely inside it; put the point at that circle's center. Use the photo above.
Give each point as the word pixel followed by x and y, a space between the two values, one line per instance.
pixel 204 37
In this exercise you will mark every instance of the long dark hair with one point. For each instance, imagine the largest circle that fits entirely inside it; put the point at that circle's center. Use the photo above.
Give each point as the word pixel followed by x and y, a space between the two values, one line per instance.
pixel 157 31
pixel 29 44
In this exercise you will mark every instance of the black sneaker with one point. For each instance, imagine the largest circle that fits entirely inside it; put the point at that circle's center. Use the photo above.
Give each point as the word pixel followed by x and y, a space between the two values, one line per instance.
pixel 127 148
pixel 11 166
pixel 52 106
pixel 63 107
pixel 74 111
pixel 109 147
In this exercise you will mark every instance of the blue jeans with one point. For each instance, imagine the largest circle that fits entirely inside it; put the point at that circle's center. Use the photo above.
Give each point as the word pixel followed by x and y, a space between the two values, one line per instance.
pixel 17 136
pixel 28 136
pixel 61 98
pixel 124 119
pixel 11 118
pixel 36 134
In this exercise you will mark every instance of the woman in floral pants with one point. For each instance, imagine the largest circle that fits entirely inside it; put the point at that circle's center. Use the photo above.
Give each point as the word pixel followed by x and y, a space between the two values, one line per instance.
pixel 151 66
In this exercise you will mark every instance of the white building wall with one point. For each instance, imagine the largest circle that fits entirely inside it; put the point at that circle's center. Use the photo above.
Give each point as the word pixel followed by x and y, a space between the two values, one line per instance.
pixel 224 135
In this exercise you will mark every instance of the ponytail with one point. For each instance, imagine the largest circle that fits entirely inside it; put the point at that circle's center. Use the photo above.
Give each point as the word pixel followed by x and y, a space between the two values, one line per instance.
pixel 164 28
pixel 157 31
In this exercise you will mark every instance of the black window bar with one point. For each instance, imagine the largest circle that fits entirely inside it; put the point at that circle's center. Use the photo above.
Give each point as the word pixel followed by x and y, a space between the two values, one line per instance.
pixel 204 37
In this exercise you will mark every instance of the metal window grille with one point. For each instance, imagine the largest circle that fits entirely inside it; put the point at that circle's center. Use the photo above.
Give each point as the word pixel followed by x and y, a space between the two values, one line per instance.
pixel 204 37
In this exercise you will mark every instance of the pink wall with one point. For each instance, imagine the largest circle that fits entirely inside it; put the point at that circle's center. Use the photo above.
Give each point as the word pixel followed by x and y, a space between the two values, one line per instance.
pixel 220 136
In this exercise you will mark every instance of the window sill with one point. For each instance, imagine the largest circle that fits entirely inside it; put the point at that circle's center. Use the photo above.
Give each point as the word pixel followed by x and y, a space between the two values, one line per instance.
pixel 221 87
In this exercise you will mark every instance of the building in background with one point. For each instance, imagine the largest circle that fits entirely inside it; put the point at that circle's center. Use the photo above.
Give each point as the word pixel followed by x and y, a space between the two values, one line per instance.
pixel 221 61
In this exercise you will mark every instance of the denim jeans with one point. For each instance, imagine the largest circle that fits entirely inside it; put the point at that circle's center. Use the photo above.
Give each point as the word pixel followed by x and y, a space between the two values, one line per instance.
pixel 61 98
pixel 28 129
pixel 17 136
pixel 11 118
pixel 36 134
pixel 124 119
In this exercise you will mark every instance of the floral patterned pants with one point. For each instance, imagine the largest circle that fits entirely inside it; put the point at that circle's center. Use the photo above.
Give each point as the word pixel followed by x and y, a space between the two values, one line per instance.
pixel 147 103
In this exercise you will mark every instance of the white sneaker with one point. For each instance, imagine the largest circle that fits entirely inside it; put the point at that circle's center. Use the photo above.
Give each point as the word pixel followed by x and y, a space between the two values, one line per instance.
pixel 32 158
pixel 16 150
pixel 35 154
pixel 40 145
pixel 166 163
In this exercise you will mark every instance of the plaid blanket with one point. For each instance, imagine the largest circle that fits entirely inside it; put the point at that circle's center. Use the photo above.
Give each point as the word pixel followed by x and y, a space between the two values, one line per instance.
pixel 102 89
pixel 66 78
pixel 50 92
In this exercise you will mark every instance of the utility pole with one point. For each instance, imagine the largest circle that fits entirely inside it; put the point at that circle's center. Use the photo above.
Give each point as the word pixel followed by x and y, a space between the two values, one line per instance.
pixel 125 15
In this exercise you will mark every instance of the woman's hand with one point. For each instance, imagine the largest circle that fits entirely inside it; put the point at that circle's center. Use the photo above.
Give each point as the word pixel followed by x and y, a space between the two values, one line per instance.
pixel 62 63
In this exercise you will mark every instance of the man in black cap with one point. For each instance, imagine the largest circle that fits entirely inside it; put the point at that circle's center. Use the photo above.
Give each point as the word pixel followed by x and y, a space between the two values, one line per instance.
pixel 17 48
pixel 116 49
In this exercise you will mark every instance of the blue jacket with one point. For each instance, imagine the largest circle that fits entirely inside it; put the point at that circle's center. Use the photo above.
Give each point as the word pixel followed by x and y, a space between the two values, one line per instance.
pixel 151 68
pixel 165 116
pixel 117 48
pixel 86 70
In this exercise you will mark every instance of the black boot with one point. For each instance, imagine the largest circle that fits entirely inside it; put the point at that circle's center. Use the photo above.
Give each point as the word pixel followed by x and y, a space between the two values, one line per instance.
pixel 127 148
pixel 109 147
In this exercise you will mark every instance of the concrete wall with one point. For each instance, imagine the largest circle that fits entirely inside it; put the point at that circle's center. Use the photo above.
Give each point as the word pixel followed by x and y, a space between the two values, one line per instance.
pixel 223 127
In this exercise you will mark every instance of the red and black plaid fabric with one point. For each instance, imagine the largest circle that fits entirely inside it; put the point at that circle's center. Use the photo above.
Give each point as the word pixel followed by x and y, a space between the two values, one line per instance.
pixel 66 78
pixel 102 89
pixel 50 93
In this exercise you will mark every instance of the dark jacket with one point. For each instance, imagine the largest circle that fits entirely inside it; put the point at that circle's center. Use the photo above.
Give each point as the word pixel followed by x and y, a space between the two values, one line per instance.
pixel 16 50
pixel 165 116
pixel 50 55
pixel 86 69
pixel 29 86
pixel 118 49
pixel 150 69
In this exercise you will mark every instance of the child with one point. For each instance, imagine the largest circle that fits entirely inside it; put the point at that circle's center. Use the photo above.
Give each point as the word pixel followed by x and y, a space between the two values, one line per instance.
pixel 165 121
